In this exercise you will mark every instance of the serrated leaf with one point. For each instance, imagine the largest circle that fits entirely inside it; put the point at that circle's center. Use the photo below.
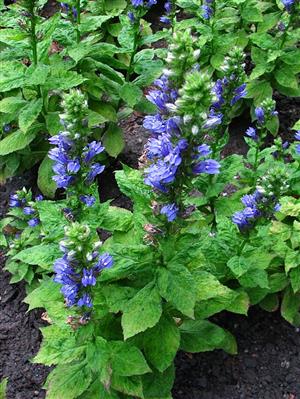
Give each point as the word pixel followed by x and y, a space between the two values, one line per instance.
pixel 43 255
pixel 117 218
pixel 176 285
pixel 127 360
pixel 11 105
pixel 146 302
pixel 68 381
pixel 15 141
pixel 161 343
pixel 131 93
pixel 29 114
pixel 202 336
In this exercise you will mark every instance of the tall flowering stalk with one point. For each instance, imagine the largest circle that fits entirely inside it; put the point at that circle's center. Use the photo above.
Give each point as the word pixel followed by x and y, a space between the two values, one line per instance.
pixel 77 270
pixel 138 9
pixel 264 201
pixel 73 12
pixel 76 158
pixel 256 135
pixel 175 153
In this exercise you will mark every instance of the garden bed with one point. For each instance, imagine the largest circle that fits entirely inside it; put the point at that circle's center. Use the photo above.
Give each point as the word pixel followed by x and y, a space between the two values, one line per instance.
pixel 267 365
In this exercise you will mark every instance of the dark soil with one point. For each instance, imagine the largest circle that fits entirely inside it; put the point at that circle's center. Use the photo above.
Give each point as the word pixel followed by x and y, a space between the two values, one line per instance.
pixel 267 366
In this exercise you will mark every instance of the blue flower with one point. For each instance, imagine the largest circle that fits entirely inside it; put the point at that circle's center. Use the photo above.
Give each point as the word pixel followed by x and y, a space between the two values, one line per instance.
pixel 165 20
pixel 209 166
pixel 239 93
pixel 6 128
pixel 28 210
pixel 73 166
pixel 131 17
pixel 33 222
pixel 137 3
pixel 260 114
pixel 297 135
pixel 105 261
pixel 95 170
pixel 207 11
pixel 39 198
pixel 251 132
pixel 203 150
pixel 88 200
pixel 168 7
pixel 154 123
pixel 88 278
pixel 214 119
pixel 91 150
pixel 14 201
pixel 170 210
pixel 85 300
pixel 288 4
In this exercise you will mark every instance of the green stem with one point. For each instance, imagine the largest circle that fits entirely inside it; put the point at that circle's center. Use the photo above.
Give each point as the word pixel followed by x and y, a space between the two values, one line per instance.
pixel 78 20
pixel 33 38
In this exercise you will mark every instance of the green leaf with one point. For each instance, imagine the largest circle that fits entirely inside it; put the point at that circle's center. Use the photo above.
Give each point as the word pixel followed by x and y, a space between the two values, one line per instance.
pixel 238 265
pixel 255 278
pixel 43 255
pixel 161 343
pixel 15 141
pixel 45 182
pixel 11 105
pixel 52 218
pixel 127 360
pixel 3 386
pixel 17 269
pixel 47 295
pixel 295 279
pixel 53 123
pixel 68 381
pixel 270 303
pixel 296 125
pixel 286 77
pixel 146 302
pixel 59 346
pixel 158 385
pixel 259 90
pixel 176 285
pixel 117 218
pixel 29 114
pixel 290 307
pixel 113 140
pixel 63 80
pixel 131 94
pixel 131 386
pixel 203 336
pixel 251 11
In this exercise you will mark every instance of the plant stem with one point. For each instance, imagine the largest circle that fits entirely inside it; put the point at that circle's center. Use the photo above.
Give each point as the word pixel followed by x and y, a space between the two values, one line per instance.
pixel 78 20
pixel 33 38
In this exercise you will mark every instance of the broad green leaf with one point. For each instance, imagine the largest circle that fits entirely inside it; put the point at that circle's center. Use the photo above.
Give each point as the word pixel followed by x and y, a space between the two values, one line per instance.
pixel 259 90
pixel 238 265
pixel 12 75
pixel 63 80
pixel 52 217
pixel 11 105
pixel 295 279
pixel 113 140
pixel 117 218
pixel 176 285
pixel 203 336
pixel 48 296
pixel 270 303
pixel 296 125
pixel 285 76
pixel 53 123
pixel 146 302
pixel 131 386
pixel 59 346
pixel 290 306
pixel 15 141
pixel 68 381
pixel 45 182
pixel 127 360
pixel 17 269
pixel 131 94
pixel 158 385
pixel 29 114
pixel 254 278
pixel 117 296
pixel 161 343
pixel 43 255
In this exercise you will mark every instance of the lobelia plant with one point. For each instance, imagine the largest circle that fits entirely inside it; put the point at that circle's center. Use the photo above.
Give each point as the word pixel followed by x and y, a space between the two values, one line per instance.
pixel 42 58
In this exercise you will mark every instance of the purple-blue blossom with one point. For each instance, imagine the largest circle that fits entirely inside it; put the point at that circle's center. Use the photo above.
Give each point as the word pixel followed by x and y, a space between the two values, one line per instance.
pixel 260 114
pixel 170 211
pixel 251 132
pixel 209 166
